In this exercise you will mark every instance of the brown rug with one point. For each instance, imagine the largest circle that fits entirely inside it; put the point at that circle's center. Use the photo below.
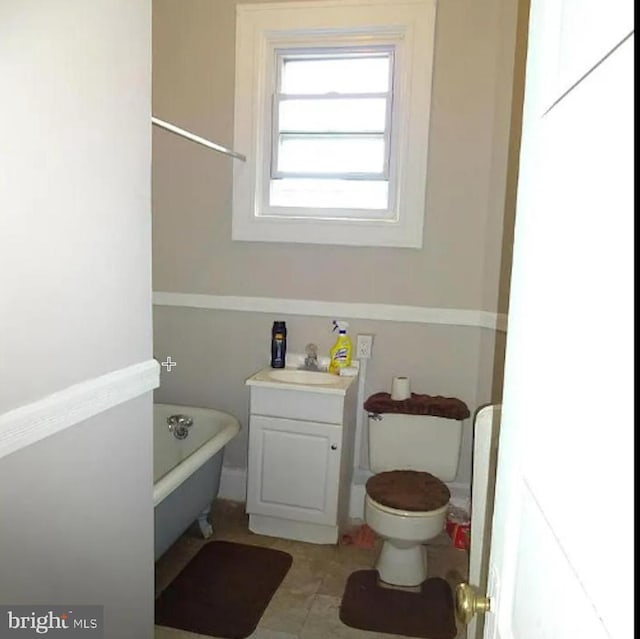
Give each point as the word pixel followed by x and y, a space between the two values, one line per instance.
pixel 224 590
pixel 427 614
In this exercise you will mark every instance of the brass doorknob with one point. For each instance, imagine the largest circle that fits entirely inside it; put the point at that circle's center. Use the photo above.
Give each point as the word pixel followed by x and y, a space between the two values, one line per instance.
pixel 468 603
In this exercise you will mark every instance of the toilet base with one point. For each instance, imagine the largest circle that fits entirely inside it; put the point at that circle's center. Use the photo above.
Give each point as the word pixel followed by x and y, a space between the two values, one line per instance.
pixel 402 563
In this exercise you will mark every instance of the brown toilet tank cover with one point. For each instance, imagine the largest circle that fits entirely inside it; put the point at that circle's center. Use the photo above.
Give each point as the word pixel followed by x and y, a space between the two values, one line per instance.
pixel 408 490
pixel 437 406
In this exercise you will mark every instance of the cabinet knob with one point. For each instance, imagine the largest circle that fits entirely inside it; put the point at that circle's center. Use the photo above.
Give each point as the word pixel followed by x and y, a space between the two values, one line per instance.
pixel 334 446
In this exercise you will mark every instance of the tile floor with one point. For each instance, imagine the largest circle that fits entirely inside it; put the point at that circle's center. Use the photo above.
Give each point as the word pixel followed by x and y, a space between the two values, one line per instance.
pixel 306 604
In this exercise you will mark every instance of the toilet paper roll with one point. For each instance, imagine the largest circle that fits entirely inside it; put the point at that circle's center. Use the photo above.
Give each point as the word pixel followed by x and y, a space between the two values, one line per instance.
pixel 400 388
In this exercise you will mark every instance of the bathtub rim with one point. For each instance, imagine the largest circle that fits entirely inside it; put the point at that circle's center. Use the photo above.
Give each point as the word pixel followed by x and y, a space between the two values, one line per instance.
pixel 180 473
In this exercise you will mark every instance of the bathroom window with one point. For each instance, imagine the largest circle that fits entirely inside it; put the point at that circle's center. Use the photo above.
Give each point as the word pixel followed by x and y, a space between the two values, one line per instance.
pixel 331 129
pixel 332 111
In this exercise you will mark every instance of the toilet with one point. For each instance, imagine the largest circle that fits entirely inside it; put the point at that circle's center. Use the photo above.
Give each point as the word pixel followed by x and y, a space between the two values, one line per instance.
pixel 406 500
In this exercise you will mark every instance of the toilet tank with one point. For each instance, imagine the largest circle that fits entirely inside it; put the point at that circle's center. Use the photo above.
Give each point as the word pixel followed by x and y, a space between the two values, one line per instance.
pixel 415 442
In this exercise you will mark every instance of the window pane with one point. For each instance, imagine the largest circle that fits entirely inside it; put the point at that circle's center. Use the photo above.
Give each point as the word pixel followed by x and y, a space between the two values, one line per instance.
pixel 366 114
pixel 342 75
pixel 303 154
pixel 308 194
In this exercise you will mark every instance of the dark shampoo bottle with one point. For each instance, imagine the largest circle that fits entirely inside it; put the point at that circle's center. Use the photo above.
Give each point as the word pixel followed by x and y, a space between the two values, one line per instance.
pixel 278 344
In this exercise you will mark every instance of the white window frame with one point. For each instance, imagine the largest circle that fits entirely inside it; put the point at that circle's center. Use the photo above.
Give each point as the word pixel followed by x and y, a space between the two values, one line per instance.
pixel 261 29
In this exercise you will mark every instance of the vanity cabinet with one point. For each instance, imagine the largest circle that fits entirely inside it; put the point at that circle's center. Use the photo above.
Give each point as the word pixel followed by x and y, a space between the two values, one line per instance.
pixel 300 460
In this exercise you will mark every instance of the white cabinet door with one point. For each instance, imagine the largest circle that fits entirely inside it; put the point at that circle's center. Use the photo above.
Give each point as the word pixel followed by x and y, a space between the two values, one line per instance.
pixel 293 469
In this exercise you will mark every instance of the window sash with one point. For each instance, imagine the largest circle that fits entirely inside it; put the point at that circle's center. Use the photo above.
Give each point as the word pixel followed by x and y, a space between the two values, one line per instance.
pixel 279 97
pixel 333 53
pixel 333 174
pixel 278 134
pixel 335 98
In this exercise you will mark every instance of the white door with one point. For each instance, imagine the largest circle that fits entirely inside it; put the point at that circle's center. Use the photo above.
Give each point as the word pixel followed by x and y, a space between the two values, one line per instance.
pixel 561 563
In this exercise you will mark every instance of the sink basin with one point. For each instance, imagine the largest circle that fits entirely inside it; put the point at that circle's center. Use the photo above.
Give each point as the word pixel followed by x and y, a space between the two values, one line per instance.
pixel 301 380
pixel 293 376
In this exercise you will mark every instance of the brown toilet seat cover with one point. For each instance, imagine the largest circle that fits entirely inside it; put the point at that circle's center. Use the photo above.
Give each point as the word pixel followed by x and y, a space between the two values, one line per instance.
pixel 408 490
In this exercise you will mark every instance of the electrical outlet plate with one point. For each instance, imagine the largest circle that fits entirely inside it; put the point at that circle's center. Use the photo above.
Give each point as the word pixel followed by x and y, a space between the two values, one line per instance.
pixel 364 346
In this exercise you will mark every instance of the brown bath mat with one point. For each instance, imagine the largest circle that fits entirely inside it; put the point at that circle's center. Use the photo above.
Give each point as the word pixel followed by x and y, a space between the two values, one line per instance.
pixel 427 614
pixel 224 590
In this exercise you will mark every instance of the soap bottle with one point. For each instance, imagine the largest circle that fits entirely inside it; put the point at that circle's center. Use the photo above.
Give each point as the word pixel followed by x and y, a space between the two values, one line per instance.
pixel 278 344
pixel 340 353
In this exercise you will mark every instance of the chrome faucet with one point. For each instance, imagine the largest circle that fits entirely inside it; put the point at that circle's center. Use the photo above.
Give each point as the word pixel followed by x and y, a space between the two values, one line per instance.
pixel 179 425
pixel 311 358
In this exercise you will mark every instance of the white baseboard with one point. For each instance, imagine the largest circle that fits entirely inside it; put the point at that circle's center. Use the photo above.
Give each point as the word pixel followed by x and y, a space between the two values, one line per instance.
pixel 356 501
pixel 233 484
pixel 460 495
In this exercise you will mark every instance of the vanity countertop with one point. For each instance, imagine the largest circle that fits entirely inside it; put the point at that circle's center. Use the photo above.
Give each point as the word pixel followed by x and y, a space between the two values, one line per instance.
pixel 301 380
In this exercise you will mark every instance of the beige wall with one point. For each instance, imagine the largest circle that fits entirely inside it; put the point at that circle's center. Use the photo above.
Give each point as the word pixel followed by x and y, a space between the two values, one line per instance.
pixel 217 350
pixel 499 246
pixel 458 266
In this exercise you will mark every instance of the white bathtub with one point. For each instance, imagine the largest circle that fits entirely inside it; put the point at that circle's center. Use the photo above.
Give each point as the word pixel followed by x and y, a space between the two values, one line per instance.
pixel 186 472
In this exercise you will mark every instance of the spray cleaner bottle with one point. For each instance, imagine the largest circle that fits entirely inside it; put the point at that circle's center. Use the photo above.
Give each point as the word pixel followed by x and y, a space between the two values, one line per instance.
pixel 340 353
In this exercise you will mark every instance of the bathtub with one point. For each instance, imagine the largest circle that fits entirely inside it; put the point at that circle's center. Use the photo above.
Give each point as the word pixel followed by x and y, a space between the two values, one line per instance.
pixel 186 472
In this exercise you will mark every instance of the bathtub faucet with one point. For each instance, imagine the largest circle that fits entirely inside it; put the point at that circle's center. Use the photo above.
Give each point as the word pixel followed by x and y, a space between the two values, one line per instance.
pixel 179 425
